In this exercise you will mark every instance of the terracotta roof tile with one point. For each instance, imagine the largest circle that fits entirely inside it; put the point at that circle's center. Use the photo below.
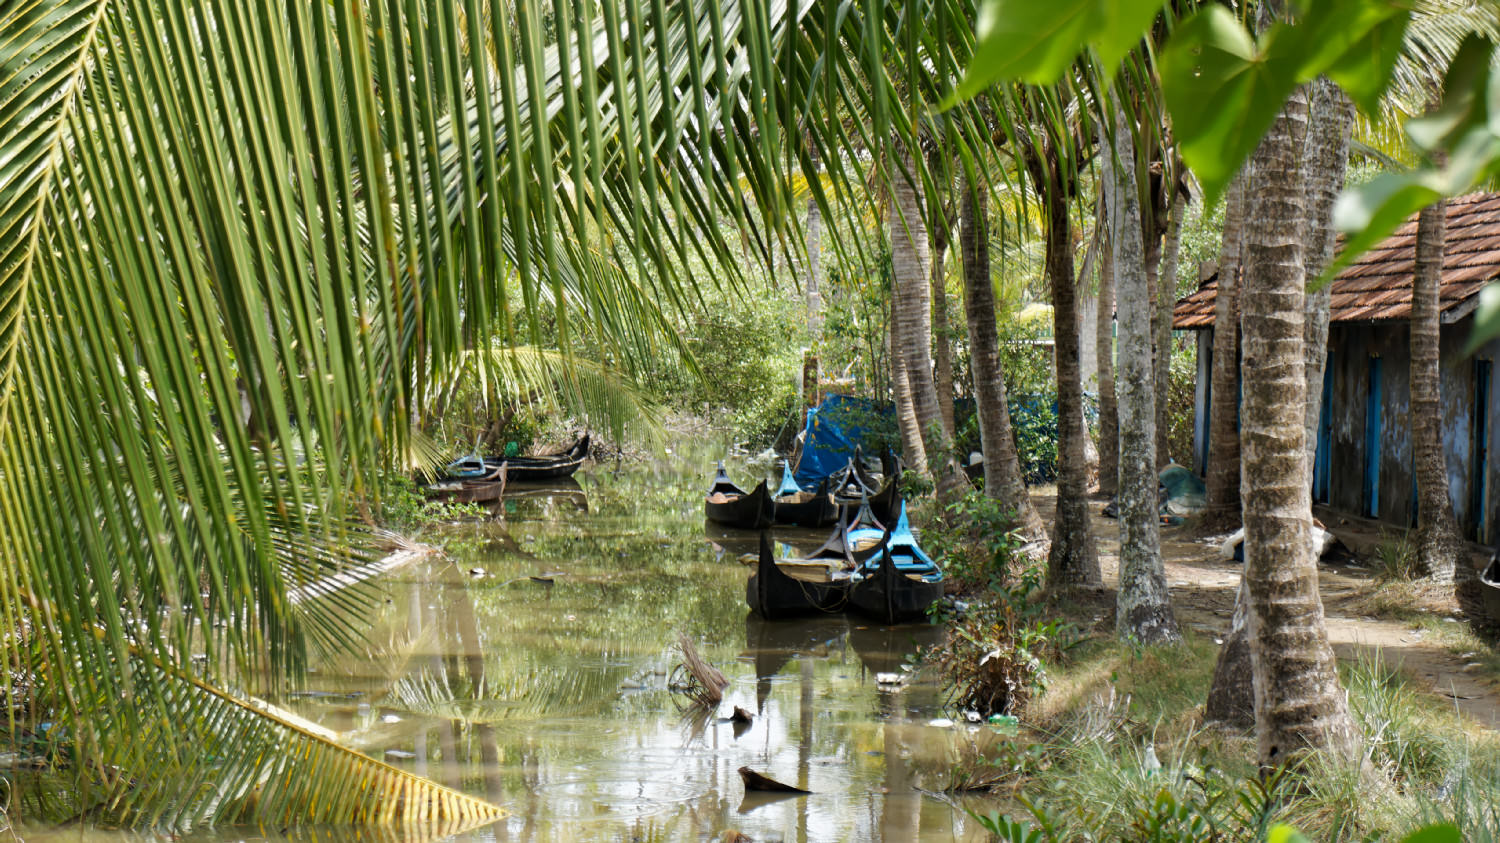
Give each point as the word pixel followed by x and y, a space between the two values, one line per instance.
pixel 1377 286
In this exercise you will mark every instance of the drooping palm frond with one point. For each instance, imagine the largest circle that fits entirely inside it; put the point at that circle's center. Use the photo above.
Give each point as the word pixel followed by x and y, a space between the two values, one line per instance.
pixel 238 238
pixel 242 241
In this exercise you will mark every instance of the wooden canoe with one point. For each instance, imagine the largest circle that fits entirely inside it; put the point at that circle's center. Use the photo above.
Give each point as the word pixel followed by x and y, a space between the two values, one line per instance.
pixel 732 506
pixel 464 491
pixel 899 583
pixel 787 590
pixel 804 509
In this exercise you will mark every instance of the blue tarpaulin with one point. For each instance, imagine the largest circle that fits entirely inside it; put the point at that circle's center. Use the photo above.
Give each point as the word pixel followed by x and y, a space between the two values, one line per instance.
pixel 833 429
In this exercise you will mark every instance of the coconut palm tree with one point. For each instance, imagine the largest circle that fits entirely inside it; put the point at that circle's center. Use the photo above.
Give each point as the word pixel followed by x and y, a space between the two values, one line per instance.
pixel 1299 703
pixel 1143 609
pixel 1048 139
pixel 1222 481
pixel 1002 466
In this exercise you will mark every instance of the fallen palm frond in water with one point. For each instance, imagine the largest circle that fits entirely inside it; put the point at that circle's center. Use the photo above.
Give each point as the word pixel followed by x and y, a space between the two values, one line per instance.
pixel 765 784
pixel 704 684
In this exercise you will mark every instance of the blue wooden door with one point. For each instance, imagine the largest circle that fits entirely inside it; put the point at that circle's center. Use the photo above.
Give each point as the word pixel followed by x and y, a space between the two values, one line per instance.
pixel 1372 441
pixel 1477 492
pixel 1323 456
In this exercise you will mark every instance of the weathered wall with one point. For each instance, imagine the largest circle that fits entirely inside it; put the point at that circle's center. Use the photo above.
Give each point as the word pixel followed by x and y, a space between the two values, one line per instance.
pixel 1351 348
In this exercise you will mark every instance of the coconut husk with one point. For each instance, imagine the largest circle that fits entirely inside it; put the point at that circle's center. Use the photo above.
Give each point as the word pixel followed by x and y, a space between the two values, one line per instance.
pixel 708 684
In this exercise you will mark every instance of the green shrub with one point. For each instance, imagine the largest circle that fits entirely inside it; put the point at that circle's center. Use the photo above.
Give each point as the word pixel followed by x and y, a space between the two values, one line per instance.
pixel 996 655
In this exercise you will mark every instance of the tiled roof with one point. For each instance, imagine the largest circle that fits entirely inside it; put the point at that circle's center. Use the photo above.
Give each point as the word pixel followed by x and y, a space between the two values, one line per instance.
pixel 1377 286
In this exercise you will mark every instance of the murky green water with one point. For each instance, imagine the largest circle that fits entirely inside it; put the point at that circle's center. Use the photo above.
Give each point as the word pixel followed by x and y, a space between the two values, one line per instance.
pixel 551 698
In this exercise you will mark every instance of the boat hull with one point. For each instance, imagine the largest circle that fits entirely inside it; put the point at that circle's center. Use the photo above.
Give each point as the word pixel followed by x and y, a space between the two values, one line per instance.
pixel 817 511
pixel 774 594
pixel 753 510
pixel 892 597
pixel 466 491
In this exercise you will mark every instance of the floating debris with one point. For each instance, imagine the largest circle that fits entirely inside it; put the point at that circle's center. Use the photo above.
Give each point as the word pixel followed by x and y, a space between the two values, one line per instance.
pixel 765 784
pixel 400 754
pixel 940 723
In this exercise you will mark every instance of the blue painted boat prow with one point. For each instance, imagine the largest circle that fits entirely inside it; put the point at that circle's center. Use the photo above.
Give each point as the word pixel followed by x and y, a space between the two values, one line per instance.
pixel 467 467
pixel 788 483
pixel 903 550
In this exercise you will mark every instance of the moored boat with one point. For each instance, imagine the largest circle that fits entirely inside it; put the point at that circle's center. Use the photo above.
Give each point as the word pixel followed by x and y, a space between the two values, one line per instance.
pixel 732 506
pixel 463 491
pixel 520 469
pixel 804 509
pixel 899 582
pixel 794 588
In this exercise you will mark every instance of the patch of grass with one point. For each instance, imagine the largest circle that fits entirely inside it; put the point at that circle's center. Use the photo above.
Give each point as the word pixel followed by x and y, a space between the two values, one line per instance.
pixel 1116 751
pixel 1395 557
pixel 1406 601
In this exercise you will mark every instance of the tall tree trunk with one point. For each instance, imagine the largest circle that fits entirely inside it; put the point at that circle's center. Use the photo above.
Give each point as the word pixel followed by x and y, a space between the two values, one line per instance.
pixel 1002 465
pixel 910 268
pixel 1074 560
pixel 814 268
pixel 1166 299
pixel 913 452
pixel 1440 551
pixel 1143 609
pixel 1327 156
pixel 1109 417
pixel 1222 479
pixel 1299 704
pixel 942 332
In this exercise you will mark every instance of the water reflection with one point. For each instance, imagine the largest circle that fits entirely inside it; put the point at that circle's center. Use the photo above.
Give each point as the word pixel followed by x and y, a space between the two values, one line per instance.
pixel 551 698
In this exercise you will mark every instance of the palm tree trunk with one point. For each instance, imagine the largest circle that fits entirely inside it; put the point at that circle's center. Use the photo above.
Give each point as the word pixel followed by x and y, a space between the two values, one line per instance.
pixel 1299 704
pixel 1222 478
pixel 814 235
pixel 910 269
pixel 1327 156
pixel 1439 549
pixel 1143 609
pixel 1074 560
pixel 1231 697
pixel 1166 298
pixel 1109 418
pixel 942 333
pixel 1002 465
pixel 913 452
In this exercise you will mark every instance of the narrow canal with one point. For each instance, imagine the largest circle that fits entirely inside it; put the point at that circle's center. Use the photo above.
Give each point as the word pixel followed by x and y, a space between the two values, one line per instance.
pixel 533 666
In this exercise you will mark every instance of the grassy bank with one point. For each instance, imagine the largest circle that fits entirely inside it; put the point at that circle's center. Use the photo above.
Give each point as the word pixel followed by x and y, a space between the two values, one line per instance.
pixel 1114 748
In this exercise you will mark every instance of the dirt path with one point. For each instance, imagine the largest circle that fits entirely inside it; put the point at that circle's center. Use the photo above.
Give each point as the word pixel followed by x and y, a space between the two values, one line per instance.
pixel 1203 590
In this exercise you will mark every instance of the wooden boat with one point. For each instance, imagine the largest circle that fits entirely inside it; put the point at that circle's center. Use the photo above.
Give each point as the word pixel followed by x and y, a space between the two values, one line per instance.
pixel 804 509
pixel 732 506
pixel 852 482
pixel 795 588
pixel 884 502
pixel 464 491
pixel 1489 587
pixel 523 469
pixel 900 582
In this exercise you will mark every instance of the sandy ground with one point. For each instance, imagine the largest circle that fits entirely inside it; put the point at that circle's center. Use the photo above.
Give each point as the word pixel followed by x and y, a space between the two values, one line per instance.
pixel 1203 589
